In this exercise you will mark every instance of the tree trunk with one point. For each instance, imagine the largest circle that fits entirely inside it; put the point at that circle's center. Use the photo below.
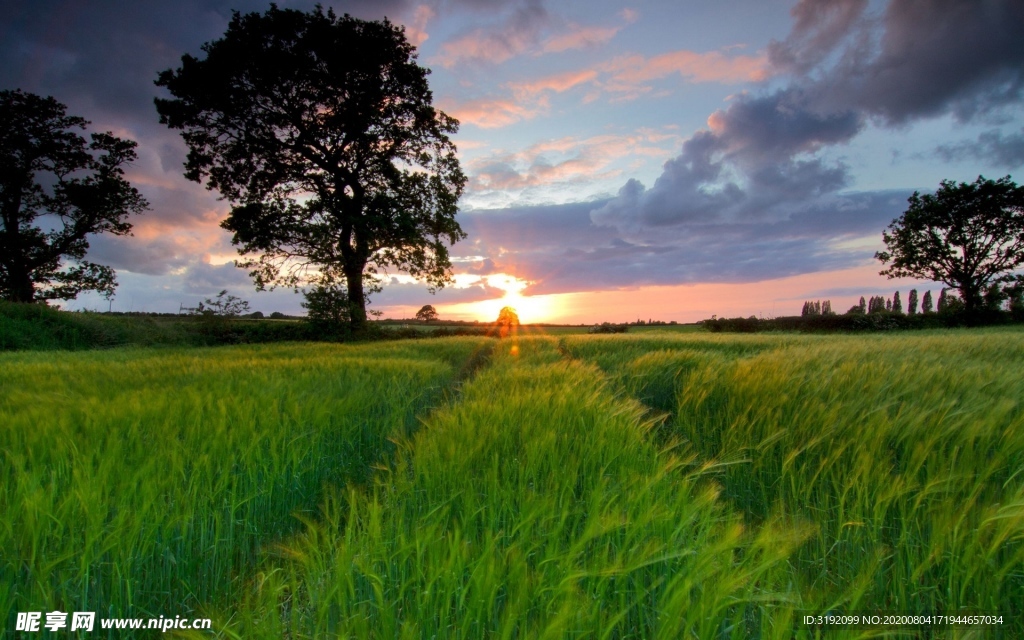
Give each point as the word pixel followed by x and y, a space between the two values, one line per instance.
pixel 356 296
pixel 21 287
pixel 971 296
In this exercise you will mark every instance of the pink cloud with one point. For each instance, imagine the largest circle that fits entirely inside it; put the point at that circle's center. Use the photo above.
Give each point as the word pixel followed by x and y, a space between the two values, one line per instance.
pixel 481 46
pixel 630 71
pixel 525 32
pixel 565 160
pixel 491 114
pixel 579 37
pixel 625 77
pixel 416 28
pixel 558 83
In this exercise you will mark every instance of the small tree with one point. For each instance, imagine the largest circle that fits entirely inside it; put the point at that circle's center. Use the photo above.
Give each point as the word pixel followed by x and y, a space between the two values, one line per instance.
pixel 826 308
pixel 222 306
pixel 327 308
pixel 926 302
pixel 953 304
pixel 912 302
pixel 995 296
pixel 508 316
pixel 427 313
pixel 863 305
pixel 56 190
pixel 966 236
pixel 942 301
pixel 1015 296
pixel 507 321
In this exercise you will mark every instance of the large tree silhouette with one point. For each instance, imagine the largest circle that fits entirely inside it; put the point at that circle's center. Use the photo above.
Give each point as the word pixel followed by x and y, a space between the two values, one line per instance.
pixel 56 190
pixel 321 132
pixel 968 236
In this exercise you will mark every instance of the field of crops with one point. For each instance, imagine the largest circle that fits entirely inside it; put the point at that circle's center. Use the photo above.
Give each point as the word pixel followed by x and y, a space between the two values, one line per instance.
pixel 649 485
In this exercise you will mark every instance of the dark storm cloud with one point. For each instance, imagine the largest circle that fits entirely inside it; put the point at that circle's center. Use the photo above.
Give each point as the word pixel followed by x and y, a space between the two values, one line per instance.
pixel 102 57
pixel 993 146
pixel 753 161
pixel 202 278
pixel 563 251
pixel 755 196
pixel 155 257
pixel 819 27
pixel 919 58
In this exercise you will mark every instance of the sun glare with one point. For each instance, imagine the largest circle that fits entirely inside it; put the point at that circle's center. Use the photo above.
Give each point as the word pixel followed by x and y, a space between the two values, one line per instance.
pixel 531 309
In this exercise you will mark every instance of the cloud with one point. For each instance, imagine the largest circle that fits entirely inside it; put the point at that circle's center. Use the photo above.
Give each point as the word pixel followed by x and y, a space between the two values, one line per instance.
pixel 625 77
pixel 416 27
pixel 492 113
pixel 628 73
pixel 759 179
pixel 520 31
pixel 919 58
pixel 993 146
pixel 155 257
pixel 819 28
pixel 579 37
pixel 529 90
pixel 577 161
pixel 100 59
pixel 755 161
pixel 529 100
pixel 202 277
pixel 528 29
pixel 531 243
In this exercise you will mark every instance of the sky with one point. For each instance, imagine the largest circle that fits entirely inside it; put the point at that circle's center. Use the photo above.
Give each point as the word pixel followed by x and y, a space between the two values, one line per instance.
pixel 626 159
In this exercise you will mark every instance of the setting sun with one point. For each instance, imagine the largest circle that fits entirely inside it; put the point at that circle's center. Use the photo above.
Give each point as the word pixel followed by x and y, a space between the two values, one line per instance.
pixel 531 309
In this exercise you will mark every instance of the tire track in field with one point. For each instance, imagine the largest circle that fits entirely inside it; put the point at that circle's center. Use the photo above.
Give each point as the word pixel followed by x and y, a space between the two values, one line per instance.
pixel 533 505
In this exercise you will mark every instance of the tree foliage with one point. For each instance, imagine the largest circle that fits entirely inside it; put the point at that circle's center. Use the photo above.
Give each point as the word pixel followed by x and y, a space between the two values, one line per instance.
pixel 967 236
pixel 427 313
pixel 321 132
pixel 222 306
pixel 507 317
pixel 57 189
pixel 926 302
pixel 816 308
pixel 327 309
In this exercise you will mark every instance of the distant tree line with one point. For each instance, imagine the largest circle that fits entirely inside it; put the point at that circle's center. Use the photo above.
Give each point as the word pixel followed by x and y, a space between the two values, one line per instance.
pixel 650 323
pixel 1001 304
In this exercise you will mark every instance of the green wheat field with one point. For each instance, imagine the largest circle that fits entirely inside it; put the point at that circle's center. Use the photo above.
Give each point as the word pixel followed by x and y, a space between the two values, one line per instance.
pixel 649 485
